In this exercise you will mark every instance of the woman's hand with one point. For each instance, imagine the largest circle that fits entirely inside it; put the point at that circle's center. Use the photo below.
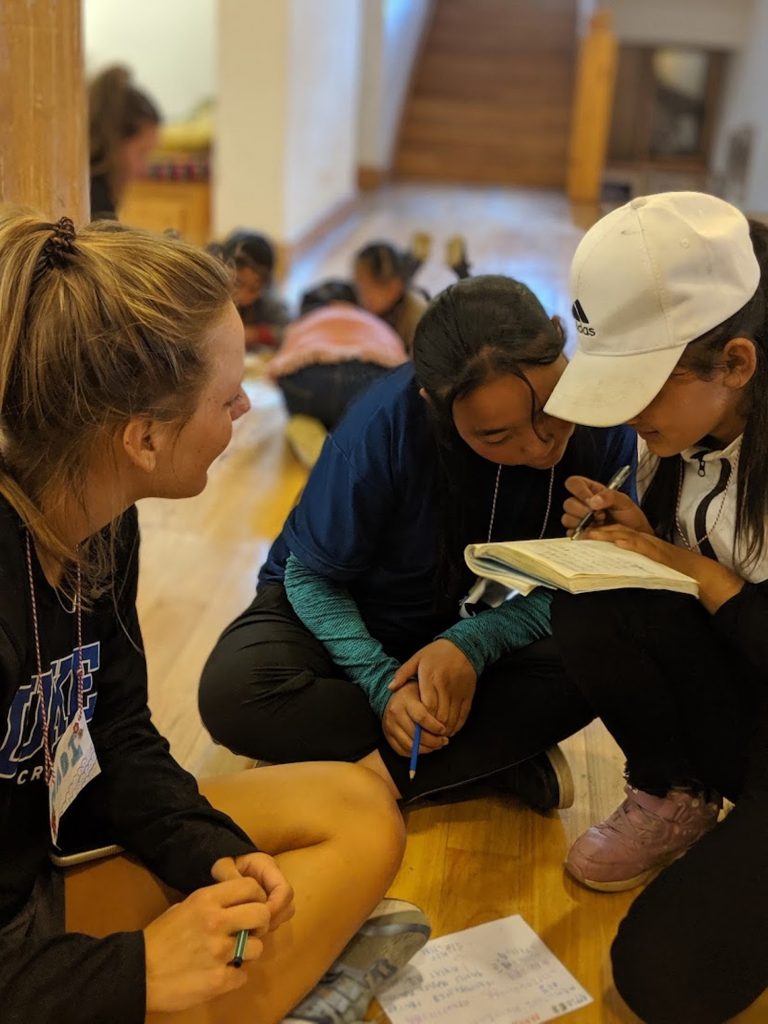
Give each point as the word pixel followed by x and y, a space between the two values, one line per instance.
pixel 188 949
pixel 717 584
pixel 447 682
pixel 277 893
pixel 608 506
pixel 403 713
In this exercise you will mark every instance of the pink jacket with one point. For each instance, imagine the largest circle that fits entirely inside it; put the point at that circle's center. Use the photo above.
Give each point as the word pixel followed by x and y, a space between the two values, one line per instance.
pixel 335 334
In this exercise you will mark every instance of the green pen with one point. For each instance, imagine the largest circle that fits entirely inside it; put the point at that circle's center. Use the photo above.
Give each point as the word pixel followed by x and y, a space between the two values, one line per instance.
pixel 240 941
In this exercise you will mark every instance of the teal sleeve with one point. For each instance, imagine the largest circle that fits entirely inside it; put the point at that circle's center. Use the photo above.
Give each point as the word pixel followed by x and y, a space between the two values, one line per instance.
pixel 514 624
pixel 330 613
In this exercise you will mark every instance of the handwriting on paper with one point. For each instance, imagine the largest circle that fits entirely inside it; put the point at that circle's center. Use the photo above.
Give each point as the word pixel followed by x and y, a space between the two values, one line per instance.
pixel 496 973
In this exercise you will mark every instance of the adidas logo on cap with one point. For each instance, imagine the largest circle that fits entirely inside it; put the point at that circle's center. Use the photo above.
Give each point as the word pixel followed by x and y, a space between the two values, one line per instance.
pixel 582 320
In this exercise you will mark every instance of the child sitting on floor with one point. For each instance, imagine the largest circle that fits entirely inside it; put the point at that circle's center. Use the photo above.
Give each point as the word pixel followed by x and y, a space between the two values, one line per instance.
pixel 383 277
pixel 264 316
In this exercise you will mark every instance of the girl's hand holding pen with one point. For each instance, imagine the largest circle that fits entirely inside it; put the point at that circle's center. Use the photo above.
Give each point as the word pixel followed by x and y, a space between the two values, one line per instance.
pixel 609 507
pixel 188 949
pixel 447 683
pixel 401 716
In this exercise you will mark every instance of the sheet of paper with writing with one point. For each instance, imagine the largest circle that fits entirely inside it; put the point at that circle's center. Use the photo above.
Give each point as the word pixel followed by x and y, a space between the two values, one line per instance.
pixel 496 973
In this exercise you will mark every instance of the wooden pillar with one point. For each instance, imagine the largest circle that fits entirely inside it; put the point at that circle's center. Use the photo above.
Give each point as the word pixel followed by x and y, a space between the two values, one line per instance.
pixel 43 116
pixel 592 105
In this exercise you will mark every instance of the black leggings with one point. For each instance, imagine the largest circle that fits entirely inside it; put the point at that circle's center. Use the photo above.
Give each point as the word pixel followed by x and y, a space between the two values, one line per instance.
pixel 686 709
pixel 271 691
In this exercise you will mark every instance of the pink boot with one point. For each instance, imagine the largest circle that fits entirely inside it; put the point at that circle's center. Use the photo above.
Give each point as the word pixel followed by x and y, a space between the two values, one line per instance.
pixel 642 836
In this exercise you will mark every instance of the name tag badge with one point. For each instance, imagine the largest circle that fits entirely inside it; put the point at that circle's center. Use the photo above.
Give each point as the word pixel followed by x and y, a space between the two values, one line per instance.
pixel 74 765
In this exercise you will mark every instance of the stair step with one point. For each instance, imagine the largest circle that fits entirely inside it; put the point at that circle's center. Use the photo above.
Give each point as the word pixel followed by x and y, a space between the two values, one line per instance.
pixel 468 67
pixel 546 137
pixel 491 98
pixel 428 111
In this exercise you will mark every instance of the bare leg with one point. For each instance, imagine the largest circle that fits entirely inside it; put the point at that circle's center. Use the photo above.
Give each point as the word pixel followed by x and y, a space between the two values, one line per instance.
pixel 375 763
pixel 337 836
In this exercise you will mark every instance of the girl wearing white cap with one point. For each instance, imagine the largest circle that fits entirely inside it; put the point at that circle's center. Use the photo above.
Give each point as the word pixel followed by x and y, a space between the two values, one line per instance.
pixel 671 299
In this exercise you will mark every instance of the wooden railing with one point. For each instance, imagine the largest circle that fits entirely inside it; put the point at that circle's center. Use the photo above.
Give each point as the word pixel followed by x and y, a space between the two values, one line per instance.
pixel 592 106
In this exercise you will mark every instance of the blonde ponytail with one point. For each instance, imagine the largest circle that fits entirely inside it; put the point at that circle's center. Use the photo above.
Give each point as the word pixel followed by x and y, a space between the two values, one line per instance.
pixel 97 328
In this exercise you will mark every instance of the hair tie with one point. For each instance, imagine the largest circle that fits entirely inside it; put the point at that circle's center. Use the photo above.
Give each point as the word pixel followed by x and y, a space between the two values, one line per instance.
pixel 58 246
pixel 62 241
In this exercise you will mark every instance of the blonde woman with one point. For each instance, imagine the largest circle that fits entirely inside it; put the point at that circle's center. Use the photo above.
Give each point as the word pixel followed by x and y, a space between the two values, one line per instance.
pixel 120 376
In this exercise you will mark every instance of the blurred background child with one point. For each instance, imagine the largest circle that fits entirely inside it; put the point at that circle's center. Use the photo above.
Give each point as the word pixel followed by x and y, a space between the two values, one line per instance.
pixel 383 276
pixel 264 315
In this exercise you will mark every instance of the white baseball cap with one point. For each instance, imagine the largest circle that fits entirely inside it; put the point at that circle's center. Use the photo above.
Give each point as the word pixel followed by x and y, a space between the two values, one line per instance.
pixel 646 280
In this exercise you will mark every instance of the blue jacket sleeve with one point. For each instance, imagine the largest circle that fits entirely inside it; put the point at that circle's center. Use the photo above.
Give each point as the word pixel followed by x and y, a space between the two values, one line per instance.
pixel 621 450
pixel 330 613
pixel 496 631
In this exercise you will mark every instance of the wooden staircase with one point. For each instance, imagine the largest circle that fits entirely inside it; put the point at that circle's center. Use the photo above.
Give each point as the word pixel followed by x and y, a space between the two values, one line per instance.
pixel 491 96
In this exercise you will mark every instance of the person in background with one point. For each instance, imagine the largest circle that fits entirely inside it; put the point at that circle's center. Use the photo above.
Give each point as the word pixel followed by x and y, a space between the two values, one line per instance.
pixel 264 316
pixel 383 276
pixel 123 126
pixel 329 356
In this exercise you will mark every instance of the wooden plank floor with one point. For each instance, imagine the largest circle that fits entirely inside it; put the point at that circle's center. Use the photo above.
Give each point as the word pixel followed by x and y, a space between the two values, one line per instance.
pixel 467 861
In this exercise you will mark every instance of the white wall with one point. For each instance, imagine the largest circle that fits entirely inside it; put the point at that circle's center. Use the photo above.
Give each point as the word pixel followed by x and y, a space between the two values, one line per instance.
pixel 392 31
pixel 169 45
pixel 719 24
pixel 584 11
pixel 369 133
pixel 251 117
pixel 745 105
pixel 321 131
pixel 286 133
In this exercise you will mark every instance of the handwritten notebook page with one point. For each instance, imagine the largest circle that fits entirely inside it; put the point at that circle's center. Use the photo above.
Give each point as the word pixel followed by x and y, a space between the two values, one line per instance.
pixel 593 557
pixel 496 973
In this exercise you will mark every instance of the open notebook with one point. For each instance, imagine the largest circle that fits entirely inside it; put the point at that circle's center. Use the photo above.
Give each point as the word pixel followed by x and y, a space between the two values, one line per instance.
pixel 578 566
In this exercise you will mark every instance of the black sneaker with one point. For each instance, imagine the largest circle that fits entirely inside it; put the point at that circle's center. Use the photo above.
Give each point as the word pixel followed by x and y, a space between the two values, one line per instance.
pixel 544 782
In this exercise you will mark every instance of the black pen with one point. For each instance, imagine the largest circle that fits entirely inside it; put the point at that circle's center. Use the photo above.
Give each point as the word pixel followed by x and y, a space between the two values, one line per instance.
pixel 613 485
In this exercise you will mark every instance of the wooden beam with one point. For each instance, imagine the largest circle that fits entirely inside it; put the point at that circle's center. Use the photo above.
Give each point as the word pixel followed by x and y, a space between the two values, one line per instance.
pixel 592 104
pixel 43 114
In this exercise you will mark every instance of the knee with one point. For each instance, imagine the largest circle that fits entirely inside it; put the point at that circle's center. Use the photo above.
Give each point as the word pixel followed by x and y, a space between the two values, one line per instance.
pixel 638 982
pixel 661 978
pixel 222 700
pixel 364 808
pixel 213 691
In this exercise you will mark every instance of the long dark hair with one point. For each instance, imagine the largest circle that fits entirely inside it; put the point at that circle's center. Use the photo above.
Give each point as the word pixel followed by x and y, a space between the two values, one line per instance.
pixel 477 329
pixel 704 357
pixel 117 111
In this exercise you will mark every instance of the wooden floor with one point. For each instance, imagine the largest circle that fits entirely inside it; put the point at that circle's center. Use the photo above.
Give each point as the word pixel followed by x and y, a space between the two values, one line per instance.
pixel 468 861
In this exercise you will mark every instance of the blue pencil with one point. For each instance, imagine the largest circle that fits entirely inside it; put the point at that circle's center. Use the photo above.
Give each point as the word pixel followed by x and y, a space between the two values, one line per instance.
pixel 414 753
